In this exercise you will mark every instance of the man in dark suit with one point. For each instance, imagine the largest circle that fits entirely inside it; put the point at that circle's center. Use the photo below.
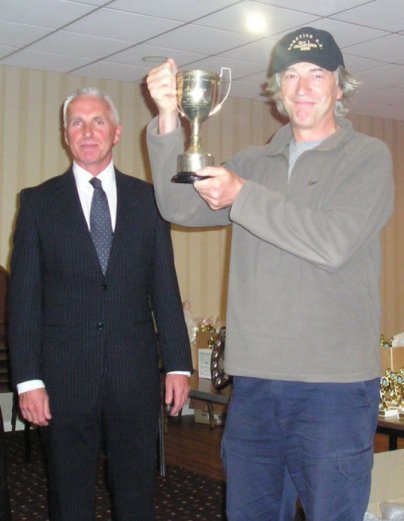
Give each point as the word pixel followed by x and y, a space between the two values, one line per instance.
pixel 85 339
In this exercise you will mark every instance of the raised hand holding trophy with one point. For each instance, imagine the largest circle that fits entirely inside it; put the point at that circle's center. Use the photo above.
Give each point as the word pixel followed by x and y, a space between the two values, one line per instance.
pixel 200 94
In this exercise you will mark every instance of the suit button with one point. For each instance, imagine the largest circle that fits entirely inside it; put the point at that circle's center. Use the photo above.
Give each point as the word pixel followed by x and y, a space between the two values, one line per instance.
pixel 105 287
pixel 100 326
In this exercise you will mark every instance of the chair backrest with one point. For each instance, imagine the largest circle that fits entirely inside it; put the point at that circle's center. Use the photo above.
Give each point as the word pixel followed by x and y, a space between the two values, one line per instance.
pixel 3 303
pixel 5 384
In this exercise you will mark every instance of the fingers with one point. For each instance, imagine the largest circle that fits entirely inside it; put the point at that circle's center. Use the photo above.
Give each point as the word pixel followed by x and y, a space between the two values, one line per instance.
pixel 221 189
pixel 47 412
pixel 161 82
pixel 177 390
pixel 173 66
pixel 34 407
pixel 210 171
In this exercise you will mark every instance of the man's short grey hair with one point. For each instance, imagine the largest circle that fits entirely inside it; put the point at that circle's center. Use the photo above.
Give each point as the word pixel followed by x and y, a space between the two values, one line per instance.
pixel 91 91
pixel 348 84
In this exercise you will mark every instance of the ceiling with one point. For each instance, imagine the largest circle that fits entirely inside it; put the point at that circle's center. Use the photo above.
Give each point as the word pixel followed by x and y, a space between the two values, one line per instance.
pixel 111 39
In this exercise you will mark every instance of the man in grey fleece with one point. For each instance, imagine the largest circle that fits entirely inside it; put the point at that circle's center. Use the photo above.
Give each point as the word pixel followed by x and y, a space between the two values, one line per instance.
pixel 302 338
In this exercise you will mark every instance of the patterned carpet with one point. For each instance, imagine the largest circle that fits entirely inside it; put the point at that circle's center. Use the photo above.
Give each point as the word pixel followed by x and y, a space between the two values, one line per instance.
pixel 181 495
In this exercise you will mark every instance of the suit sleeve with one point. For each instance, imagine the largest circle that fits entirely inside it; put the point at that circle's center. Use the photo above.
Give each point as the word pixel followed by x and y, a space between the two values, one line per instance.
pixel 166 304
pixel 25 298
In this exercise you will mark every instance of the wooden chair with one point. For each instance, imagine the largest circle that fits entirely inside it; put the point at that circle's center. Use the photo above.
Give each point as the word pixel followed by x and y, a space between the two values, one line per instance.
pixel 5 375
pixel 4 359
pixel 4 370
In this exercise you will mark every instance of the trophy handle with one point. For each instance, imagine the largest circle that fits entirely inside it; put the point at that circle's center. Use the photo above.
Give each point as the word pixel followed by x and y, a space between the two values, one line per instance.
pixel 174 100
pixel 224 71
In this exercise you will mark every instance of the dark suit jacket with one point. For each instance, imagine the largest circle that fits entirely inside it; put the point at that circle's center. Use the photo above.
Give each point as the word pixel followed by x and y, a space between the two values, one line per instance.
pixel 74 328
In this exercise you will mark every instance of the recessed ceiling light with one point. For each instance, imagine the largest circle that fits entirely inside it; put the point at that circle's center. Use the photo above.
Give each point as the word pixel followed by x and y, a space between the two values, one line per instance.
pixel 256 23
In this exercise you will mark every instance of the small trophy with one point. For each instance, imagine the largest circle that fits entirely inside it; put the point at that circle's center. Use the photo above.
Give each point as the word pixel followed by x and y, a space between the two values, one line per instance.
pixel 392 393
pixel 400 383
pixel 200 94
pixel 385 389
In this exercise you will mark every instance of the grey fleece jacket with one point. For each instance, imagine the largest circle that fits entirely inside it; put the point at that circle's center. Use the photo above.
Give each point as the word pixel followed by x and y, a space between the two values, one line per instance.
pixel 303 301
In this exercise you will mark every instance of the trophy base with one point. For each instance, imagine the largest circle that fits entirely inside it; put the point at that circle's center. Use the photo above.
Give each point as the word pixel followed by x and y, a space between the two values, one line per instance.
pixel 188 177
pixel 188 164
pixel 386 413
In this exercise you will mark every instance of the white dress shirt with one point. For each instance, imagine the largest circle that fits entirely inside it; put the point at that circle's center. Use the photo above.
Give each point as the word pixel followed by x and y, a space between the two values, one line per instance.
pixel 86 190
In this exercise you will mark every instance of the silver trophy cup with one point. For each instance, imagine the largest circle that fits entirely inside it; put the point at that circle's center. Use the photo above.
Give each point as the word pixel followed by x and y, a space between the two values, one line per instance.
pixel 200 94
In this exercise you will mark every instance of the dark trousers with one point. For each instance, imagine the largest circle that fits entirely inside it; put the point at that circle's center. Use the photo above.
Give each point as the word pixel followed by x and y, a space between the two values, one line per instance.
pixel 72 446
pixel 288 439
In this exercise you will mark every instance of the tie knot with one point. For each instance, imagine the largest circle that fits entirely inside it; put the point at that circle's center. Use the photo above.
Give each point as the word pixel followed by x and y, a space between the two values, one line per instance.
pixel 97 184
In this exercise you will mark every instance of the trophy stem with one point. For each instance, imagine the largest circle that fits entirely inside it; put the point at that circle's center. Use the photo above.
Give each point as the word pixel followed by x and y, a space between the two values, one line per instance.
pixel 195 146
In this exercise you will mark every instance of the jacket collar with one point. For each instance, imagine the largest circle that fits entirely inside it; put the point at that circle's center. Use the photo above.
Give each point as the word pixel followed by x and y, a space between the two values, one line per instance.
pixel 280 142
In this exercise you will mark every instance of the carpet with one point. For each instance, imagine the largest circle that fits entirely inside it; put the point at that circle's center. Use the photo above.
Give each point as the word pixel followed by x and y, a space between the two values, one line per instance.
pixel 180 496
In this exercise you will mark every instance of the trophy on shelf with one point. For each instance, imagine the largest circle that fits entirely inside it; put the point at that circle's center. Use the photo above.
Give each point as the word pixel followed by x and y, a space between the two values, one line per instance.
pixel 200 94
pixel 384 406
pixel 400 392
pixel 392 393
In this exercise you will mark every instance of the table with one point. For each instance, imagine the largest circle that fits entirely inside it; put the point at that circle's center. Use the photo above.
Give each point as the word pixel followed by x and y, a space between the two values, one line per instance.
pixel 203 389
pixel 200 389
pixel 393 427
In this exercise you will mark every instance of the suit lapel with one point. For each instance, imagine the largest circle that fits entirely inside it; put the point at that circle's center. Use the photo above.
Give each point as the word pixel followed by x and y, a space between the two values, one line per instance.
pixel 71 207
pixel 126 203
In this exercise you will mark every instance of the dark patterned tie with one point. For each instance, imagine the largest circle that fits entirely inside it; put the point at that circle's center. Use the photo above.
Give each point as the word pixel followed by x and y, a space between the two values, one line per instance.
pixel 100 223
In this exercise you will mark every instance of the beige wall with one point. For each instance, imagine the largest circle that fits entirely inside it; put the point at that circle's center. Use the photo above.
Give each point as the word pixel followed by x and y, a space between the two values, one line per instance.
pixel 31 151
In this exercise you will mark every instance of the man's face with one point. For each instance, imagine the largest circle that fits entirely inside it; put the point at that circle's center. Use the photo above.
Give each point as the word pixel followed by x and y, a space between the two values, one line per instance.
pixel 91 133
pixel 309 94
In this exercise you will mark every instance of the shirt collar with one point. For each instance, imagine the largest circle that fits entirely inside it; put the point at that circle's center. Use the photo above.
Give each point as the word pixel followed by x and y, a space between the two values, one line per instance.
pixel 279 144
pixel 82 177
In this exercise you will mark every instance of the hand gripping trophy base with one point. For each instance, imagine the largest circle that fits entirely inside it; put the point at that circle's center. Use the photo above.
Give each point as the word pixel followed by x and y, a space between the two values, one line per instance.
pixel 188 164
pixel 200 94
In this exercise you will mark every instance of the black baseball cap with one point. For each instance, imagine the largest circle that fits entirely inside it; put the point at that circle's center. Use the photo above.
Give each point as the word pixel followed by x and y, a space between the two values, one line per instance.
pixel 307 45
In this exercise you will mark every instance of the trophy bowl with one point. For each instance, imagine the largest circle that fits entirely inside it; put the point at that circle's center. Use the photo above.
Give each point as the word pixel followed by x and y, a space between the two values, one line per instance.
pixel 200 94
